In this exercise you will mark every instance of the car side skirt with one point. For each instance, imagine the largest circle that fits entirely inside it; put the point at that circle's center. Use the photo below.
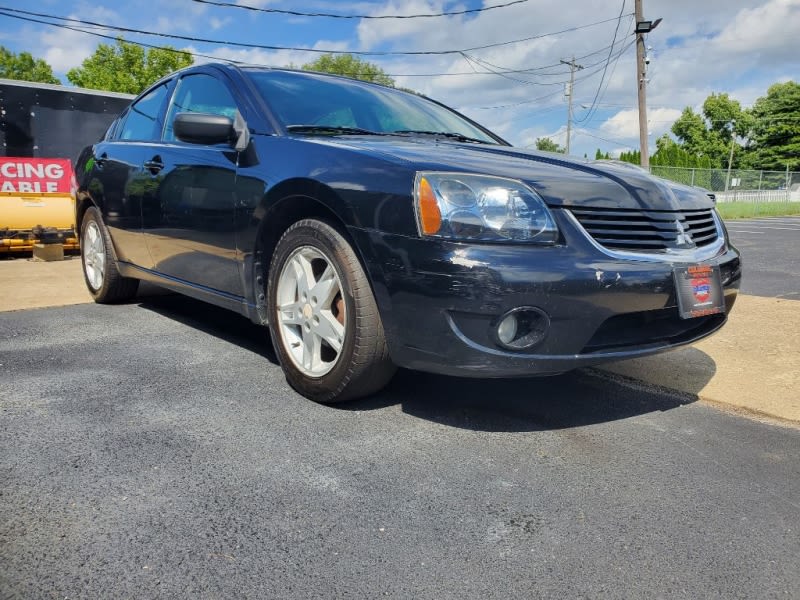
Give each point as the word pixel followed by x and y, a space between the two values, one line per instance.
pixel 199 292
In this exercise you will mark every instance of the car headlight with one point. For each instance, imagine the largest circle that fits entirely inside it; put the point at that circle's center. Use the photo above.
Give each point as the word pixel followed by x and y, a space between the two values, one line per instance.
pixel 469 207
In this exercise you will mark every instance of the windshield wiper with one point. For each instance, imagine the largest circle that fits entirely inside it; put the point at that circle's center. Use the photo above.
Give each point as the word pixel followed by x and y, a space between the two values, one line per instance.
pixel 331 130
pixel 459 137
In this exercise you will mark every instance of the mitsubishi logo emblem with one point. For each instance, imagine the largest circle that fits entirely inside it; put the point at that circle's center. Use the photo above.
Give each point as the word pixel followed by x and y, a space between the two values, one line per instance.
pixel 684 238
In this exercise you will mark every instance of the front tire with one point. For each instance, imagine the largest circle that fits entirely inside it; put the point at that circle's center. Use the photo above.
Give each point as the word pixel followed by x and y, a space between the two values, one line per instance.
pixel 100 272
pixel 326 328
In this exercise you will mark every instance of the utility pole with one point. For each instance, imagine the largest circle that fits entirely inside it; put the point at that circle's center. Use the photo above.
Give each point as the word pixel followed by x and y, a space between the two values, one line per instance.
pixel 642 27
pixel 730 156
pixel 573 66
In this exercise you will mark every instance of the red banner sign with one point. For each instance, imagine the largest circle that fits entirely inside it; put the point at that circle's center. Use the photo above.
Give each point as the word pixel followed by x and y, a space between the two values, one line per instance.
pixel 35 175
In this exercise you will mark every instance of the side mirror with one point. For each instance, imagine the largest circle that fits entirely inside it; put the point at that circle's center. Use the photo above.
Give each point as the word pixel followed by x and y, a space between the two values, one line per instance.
pixel 203 128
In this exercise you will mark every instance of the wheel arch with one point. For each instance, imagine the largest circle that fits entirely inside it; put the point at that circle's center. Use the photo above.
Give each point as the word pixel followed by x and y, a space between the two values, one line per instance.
pixel 286 204
pixel 82 203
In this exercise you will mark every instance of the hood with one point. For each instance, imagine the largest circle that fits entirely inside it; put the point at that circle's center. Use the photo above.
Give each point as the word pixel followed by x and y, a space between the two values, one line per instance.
pixel 559 180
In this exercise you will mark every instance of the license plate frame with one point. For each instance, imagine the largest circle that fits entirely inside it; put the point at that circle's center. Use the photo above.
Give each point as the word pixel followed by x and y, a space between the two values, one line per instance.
pixel 699 290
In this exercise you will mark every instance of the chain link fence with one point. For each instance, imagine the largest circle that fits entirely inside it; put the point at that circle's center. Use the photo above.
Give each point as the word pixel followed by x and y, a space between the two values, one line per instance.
pixel 742 193
pixel 738 185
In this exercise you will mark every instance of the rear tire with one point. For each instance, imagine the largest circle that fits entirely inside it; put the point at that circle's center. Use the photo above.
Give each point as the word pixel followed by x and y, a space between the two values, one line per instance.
pixel 326 328
pixel 100 271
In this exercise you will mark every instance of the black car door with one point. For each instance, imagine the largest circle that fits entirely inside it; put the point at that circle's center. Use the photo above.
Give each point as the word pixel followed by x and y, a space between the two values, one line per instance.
pixel 189 222
pixel 118 184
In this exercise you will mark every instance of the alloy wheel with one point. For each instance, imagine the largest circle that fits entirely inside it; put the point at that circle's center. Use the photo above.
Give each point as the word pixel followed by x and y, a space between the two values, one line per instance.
pixel 94 255
pixel 311 311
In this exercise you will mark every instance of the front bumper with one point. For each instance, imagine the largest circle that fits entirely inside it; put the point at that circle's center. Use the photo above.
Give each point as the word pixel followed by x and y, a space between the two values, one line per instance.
pixel 441 302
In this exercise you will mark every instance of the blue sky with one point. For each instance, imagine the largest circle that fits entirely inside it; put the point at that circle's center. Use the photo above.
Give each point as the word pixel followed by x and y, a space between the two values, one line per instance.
pixel 514 87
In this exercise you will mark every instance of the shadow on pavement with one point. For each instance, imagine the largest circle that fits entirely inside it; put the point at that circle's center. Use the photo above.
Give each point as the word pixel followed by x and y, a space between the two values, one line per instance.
pixel 688 369
pixel 219 322
pixel 574 399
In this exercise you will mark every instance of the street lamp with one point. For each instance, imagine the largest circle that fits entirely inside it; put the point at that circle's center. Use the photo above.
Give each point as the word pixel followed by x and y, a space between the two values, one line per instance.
pixel 646 26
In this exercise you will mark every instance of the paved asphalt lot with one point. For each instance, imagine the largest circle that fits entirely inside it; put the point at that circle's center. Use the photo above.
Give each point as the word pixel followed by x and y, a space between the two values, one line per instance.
pixel 771 251
pixel 154 450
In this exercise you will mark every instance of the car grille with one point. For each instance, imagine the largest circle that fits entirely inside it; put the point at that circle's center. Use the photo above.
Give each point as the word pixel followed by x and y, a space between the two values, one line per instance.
pixel 648 230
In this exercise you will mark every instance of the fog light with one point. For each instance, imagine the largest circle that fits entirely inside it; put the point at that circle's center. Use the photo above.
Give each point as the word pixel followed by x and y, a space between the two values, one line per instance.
pixel 522 328
pixel 507 330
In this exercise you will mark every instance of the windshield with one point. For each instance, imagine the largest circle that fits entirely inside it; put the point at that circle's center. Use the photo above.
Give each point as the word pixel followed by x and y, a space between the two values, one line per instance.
pixel 312 99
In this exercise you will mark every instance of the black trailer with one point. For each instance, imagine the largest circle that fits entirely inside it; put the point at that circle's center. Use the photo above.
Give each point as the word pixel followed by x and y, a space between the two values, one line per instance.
pixel 40 120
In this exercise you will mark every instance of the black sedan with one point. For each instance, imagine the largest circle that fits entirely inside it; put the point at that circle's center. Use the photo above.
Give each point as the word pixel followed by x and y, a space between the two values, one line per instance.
pixel 371 228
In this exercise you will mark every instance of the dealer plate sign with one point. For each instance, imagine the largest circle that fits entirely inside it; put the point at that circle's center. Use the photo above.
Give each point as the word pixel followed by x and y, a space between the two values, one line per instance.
pixel 699 291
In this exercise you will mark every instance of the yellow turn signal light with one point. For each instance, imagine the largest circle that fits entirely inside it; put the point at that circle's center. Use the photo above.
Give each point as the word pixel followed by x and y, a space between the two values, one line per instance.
pixel 430 217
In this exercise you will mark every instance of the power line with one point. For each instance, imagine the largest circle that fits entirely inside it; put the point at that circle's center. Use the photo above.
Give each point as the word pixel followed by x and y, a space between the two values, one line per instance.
pixel 533 37
pixel 615 62
pixel 115 38
pixel 17 12
pixel 582 131
pixel 550 95
pixel 502 73
pixel 497 68
pixel 588 75
pixel 605 69
pixel 251 63
pixel 492 68
pixel 240 62
pixel 295 13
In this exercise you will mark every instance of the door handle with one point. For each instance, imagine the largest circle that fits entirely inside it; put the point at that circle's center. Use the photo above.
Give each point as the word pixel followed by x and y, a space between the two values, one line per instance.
pixel 154 165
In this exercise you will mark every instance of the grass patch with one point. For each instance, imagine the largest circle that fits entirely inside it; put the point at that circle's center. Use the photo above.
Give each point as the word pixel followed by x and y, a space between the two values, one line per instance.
pixel 744 210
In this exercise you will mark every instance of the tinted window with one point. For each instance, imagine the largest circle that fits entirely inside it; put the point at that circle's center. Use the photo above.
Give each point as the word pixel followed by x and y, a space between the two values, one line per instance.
pixel 111 133
pixel 140 124
pixel 309 99
pixel 202 94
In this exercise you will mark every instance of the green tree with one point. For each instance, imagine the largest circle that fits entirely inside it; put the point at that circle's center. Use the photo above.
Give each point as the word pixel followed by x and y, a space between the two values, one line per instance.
pixel 126 67
pixel 634 157
pixel 599 155
pixel 670 154
pixel 691 130
pixel 711 133
pixel 775 129
pixel 545 144
pixel 25 67
pixel 349 66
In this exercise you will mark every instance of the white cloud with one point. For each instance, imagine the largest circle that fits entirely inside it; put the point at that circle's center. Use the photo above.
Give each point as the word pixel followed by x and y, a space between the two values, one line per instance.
pixel 65 49
pixel 765 31
pixel 625 124
pixel 217 23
